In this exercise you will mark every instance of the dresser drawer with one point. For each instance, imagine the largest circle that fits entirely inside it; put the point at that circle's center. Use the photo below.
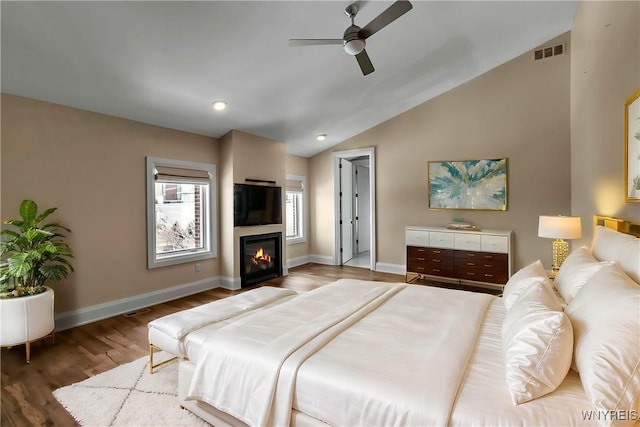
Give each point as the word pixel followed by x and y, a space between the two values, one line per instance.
pixel 494 244
pixel 440 270
pixel 439 253
pixel 465 241
pixel 481 274
pixel 416 251
pixel 429 255
pixel 417 238
pixel 438 239
pixel 490 265
pixel 430 268
pixel 482 256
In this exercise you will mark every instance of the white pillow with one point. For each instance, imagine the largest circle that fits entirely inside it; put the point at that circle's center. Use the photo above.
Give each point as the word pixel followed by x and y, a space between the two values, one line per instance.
pixel 622 248
pixel 576 270
pixel 606 321
pixel 522 280
pixel 537 341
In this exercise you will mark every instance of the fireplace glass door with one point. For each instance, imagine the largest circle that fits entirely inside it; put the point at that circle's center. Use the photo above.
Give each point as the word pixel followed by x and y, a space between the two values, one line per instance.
pixel 260 258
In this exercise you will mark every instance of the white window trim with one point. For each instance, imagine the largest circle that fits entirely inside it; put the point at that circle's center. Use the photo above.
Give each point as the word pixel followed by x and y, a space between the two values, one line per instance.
pixel 305 210
pixel 212 252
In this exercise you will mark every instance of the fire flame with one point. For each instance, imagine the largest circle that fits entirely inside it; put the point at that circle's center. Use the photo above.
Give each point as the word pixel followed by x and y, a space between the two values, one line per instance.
pixel 261 256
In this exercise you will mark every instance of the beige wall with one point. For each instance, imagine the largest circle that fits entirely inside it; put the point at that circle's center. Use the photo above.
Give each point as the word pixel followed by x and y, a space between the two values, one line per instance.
pixel 605 71
pixel 92 167
pixel 519 110
pixel 296 165
pixel 246 156
pixel 227 235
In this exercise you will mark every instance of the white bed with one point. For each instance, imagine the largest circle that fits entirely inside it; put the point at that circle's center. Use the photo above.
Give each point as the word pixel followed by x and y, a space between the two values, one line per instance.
pixel 371 353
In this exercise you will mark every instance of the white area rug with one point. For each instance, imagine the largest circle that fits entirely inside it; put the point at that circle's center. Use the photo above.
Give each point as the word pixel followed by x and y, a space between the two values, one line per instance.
pixel 128 396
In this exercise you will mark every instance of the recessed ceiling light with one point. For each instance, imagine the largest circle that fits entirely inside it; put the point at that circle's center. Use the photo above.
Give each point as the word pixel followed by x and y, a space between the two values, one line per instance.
pixel 321 137
pixel 219 105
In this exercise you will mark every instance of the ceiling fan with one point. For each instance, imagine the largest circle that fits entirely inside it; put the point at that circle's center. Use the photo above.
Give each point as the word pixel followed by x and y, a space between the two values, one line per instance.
pixel 353 41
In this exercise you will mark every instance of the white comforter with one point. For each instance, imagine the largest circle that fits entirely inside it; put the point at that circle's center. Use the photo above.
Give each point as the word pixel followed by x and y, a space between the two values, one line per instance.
pixel 402 350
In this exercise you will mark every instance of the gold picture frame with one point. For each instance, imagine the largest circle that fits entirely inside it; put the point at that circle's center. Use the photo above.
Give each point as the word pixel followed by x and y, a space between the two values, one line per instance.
pixel 632 148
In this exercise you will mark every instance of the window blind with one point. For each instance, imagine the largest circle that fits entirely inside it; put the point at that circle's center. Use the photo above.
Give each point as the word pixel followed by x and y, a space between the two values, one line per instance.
pixel 170 174
pixel 294 185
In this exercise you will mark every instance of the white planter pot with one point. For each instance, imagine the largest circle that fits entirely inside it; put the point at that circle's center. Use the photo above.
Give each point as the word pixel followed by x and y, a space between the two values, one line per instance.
pixel 26 319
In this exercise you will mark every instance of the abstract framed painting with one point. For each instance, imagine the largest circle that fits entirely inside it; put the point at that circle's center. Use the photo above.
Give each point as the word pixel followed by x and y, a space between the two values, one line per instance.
pixel 469 184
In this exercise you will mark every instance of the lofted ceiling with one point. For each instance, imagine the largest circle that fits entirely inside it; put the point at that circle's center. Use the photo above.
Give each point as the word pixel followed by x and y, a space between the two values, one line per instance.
pixel 164 62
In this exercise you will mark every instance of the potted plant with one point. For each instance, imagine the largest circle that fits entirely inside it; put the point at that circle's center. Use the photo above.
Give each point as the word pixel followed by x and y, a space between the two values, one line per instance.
pixel 33 253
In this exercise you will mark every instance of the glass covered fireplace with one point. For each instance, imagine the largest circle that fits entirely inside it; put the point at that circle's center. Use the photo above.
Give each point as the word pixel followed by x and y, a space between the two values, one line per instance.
pixel 260 258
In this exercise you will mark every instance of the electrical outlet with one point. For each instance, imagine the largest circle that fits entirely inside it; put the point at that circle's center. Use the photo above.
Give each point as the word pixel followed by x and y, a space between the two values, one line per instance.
pixel 197 267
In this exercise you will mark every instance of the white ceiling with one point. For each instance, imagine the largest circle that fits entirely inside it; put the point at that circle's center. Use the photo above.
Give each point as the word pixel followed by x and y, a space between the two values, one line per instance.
pixel 165 62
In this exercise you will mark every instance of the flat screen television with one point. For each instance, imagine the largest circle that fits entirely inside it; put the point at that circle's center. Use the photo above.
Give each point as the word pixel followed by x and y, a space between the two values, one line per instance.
pixel 256 205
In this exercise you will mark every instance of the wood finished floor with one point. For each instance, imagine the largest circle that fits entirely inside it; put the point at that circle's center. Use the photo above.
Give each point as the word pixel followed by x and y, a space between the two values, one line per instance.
pixel 79 353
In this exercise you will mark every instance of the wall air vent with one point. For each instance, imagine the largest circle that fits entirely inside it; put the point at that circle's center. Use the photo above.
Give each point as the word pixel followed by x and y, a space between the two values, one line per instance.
pixel 548 52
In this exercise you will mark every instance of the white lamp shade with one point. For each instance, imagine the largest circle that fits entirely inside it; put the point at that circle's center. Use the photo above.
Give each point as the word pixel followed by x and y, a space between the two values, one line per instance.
pixel 354 47
pixel 560 227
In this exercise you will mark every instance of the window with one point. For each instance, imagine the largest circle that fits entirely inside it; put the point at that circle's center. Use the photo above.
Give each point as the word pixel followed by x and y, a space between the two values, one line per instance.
pixel 295 209
pixel 181 222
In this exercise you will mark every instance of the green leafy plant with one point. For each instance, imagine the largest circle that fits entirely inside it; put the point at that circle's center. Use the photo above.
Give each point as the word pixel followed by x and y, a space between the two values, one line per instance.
pixel 34 253
pixel 636 182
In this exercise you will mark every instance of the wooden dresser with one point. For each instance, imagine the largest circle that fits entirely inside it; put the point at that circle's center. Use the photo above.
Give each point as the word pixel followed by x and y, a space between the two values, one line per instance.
pixel 479 257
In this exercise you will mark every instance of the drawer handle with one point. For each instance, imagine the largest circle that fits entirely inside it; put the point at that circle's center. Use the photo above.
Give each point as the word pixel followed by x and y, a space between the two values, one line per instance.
pixel 488 256
pixel 488 265
pixel 488 275
pixel 420 259
pixel 472 264
pixel 470 273
pixel 471 255
pixel 436 260
pixel 421 250
pixel 420 268
pixel 436 270
pixel 436 252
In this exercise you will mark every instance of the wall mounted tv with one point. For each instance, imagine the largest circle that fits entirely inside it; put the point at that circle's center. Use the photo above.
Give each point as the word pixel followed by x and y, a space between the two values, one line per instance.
pixel 256 205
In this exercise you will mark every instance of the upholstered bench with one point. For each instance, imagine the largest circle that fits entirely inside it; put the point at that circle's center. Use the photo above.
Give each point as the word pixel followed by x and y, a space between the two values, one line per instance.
pixel 169 333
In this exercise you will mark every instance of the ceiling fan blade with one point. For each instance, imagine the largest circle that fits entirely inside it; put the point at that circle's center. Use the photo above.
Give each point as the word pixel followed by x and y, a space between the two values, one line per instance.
pixel 365 63
pixel 392 13
pixel 314 42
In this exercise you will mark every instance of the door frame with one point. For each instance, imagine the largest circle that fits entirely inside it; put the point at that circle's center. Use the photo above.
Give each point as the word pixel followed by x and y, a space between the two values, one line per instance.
pixel 347 211
pixel 351 154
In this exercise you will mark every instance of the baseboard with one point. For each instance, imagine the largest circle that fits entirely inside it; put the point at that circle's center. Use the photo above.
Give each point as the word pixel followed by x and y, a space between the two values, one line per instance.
pixel 295 262
pixel 82 316
pixel 390 268
pixel 231 283
pixel 321 259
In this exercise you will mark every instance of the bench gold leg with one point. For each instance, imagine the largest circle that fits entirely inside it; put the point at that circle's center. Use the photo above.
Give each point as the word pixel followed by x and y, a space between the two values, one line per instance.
pixel 152 349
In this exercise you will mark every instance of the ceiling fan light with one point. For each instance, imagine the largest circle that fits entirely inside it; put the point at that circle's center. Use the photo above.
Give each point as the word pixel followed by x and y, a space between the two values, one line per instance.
pixel 354 47
pixel 321 137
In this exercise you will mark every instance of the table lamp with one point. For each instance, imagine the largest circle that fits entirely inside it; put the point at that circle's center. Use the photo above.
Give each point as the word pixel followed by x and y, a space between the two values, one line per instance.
pixel 559 228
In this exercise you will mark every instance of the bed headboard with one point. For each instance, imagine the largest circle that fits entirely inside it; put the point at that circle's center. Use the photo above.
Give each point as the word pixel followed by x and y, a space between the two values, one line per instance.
pixel 619 241
pixel 616 224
